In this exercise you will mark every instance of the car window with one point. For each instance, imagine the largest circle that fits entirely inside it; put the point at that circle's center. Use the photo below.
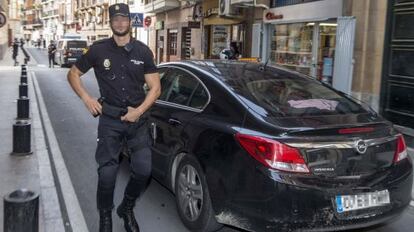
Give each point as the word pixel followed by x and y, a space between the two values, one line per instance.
pixel 295 97
pixel 199 98
pixel 77 44
pixel 182 87
pixel 166 81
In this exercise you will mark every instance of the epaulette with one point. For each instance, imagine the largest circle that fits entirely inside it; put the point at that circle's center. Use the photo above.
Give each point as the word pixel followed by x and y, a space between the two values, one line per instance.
pixel 100 41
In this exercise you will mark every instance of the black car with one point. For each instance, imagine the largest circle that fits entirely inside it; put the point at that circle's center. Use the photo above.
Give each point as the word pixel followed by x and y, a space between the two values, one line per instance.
pixel 263 148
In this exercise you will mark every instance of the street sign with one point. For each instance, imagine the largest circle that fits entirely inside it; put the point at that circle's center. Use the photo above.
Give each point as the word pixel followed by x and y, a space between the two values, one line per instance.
pixel 137 19
pixel 3 19
pixel 147 21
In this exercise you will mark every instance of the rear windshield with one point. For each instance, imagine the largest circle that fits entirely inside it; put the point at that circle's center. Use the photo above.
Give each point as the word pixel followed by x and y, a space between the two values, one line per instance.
pixel 279 93
pixel 287 97
pixel 77 44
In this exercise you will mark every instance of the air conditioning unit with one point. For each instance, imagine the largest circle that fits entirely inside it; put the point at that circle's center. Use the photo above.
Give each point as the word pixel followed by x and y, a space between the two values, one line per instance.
pixel 225 8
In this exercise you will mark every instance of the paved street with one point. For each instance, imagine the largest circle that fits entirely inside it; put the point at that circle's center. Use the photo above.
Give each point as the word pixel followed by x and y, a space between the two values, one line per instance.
pixel 75 130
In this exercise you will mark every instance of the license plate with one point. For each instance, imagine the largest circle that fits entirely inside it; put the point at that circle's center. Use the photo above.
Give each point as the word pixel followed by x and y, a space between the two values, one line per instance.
pixel 362 201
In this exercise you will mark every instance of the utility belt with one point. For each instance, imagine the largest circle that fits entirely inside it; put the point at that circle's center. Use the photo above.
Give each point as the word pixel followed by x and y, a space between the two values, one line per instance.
pixel 110 110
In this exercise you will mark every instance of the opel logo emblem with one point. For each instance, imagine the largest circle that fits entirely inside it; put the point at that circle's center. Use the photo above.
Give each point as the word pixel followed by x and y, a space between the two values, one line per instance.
pixel 361 146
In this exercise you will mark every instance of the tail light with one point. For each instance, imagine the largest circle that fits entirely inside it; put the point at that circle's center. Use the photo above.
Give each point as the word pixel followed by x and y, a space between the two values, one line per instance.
pixel 401 152
pixel 273 154
pixel 356 130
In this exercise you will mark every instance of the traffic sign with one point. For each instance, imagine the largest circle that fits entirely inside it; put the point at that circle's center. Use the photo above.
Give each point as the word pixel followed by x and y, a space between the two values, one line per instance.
pixel 137 19
pixel 3 19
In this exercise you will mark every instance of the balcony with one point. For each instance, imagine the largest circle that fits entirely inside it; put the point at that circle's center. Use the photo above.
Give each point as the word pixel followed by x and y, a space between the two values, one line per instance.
pixel 158 6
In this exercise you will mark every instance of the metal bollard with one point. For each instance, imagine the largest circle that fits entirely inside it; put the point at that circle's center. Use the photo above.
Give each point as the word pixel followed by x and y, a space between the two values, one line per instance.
pixel 23 79
pixel 24 70
pixel 21 138
pixel 23 90
pixel 21 211
pixel 23 107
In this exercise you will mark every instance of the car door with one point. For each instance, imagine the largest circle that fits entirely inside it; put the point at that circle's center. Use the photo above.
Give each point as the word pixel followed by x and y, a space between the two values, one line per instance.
pixel 170 114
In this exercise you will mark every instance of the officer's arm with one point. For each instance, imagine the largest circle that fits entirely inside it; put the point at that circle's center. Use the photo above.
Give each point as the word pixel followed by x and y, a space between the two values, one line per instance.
pixel 154 85
pixel 92 104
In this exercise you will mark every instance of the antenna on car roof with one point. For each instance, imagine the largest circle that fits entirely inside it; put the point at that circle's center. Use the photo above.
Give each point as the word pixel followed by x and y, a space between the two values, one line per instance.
pixel 263 67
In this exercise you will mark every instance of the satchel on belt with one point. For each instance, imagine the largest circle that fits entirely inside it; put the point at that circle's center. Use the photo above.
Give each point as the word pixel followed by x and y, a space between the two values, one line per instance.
pixel 110 110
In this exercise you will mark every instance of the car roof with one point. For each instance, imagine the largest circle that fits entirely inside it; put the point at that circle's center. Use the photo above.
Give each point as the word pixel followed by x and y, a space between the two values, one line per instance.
pixel 229 71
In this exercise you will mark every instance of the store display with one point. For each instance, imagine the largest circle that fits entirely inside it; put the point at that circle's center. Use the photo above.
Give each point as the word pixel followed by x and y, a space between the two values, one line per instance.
pixel 292 46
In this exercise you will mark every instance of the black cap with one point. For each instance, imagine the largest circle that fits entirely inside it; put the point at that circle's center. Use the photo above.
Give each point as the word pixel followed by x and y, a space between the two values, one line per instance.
pixel 118 9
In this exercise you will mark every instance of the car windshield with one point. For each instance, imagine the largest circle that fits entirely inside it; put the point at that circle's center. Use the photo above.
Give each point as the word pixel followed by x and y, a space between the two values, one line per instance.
pixel 77 44
pixel 282 93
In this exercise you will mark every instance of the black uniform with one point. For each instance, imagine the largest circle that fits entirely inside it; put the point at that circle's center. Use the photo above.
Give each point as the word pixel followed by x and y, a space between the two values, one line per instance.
pixel 120 75
pixel 51 50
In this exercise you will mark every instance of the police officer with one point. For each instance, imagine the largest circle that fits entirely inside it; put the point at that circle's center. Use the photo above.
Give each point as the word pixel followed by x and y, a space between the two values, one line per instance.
pixel 122 66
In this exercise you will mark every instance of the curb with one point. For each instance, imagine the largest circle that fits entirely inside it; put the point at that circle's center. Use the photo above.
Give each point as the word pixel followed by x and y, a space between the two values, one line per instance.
pixel 68 195
pixel 50 207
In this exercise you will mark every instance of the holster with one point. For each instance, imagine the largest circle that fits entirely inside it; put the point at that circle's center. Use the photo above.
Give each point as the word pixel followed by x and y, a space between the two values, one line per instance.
pixel 112 111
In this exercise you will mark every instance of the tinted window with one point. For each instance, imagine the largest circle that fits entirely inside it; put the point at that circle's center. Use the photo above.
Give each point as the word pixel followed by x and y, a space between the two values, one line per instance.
pixel 166 82
pixel 182 87
pixel 162 72
pixel 200 98
pixel 277 92
pixel 77 44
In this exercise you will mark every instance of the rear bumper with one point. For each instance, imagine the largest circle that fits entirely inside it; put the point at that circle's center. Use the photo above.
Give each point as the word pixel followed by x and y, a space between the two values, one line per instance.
pixel 287 202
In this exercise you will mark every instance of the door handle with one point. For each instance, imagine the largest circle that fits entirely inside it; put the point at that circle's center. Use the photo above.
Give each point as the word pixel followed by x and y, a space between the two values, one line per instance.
pixel 154 131
pixel 174 122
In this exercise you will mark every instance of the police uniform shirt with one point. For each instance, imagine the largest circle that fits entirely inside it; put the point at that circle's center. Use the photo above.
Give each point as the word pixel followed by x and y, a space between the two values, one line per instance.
pixel 119 72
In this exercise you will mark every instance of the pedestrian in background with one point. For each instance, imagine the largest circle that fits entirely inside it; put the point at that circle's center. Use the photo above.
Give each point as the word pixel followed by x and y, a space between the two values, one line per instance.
pixel 15 47
pixel 122 66
pixel 51 50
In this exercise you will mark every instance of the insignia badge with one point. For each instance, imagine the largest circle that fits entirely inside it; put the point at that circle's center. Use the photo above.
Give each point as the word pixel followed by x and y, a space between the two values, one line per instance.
pixel 361 146
pixel 107 64
pixel 116 7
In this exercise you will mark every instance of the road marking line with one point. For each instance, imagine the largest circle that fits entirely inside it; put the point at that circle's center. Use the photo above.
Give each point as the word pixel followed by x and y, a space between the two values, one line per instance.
pixel 48 193
pixel 71 201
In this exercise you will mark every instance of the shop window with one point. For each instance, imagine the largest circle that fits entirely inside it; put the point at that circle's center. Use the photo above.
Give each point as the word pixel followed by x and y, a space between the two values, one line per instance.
pixel 291 46
pixel 173 43
pixel 326 51
pixel 220 40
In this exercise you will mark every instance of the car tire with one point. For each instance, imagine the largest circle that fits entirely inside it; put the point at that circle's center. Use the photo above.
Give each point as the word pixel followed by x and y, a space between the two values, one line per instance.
pixel 193 198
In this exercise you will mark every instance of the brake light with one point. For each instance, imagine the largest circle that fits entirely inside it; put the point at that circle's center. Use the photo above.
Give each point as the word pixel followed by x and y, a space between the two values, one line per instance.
pixel 273 154
pixel 356 130
pixel 401 152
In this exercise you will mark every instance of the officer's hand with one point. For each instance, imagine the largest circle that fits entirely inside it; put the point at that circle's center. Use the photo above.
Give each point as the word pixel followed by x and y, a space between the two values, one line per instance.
pixel 132 115
pixel 93 106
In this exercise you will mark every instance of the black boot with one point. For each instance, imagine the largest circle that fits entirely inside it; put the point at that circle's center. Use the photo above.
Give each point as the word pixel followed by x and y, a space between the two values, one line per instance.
pixel 105 220
pixel 126 212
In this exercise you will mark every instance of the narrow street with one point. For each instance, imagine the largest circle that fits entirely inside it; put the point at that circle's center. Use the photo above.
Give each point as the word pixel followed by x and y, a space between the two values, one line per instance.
pixel 75 130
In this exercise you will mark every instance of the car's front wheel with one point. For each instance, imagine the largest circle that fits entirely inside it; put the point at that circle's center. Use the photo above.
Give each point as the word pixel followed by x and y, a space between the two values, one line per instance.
pixel 192 197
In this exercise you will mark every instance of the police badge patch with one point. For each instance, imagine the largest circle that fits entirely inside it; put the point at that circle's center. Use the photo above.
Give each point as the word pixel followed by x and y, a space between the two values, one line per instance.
pixel 107 64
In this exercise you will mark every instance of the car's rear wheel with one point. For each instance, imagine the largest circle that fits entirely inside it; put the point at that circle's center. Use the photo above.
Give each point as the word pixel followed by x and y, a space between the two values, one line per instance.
pixel 192 197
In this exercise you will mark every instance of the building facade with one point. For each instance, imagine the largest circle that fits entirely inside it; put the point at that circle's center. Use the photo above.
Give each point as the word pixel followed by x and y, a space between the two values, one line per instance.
pixel 397 84
pixel 202 29
pixel 32 25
